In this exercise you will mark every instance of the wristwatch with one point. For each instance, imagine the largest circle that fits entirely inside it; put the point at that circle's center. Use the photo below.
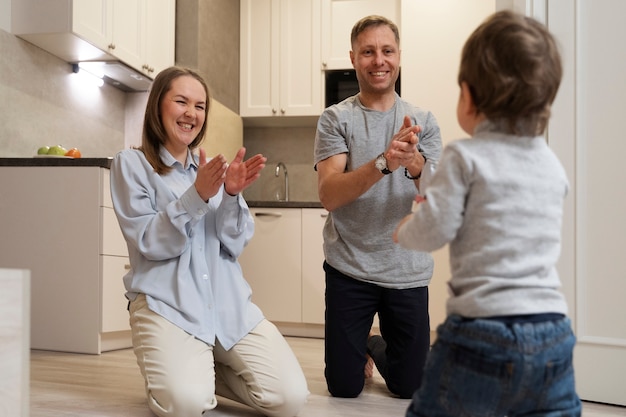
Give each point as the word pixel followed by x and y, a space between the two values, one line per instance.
pixel 381 164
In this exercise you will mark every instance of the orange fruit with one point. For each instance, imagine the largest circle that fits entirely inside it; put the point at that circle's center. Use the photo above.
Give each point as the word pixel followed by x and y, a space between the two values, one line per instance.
pixel 74 153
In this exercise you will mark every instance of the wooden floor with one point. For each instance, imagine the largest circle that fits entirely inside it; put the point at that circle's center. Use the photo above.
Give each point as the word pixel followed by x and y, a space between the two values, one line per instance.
pixel 64 384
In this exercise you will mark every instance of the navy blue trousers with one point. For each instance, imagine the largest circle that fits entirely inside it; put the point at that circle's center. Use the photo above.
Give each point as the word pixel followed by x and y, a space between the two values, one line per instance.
pixel 404 325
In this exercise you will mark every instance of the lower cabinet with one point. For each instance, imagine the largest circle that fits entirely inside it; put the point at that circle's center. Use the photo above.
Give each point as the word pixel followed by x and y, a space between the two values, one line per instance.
pixel 283 264
pixel 313 278
pixel 58 223
pixel 272 263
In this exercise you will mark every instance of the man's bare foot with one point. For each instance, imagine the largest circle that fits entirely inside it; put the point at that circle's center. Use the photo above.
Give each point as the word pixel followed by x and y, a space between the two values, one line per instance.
pixel 369 367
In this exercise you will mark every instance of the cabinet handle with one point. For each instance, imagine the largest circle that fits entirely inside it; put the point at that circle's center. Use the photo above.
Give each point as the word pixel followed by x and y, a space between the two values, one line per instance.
pixel 268 214
pixel 282 111
pixel 274 111
pixel 127 266
pixel 323 215
pixel 111 46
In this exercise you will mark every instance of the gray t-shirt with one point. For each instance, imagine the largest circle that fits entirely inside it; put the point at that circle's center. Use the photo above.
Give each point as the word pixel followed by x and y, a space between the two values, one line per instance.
pixel 358 236
pixel 498 200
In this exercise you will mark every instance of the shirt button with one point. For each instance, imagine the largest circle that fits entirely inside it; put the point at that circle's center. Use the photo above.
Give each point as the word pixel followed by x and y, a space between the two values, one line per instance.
pixel 205 277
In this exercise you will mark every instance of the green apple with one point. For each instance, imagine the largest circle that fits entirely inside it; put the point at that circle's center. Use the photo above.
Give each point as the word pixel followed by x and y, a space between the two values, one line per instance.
pixel 57 150
pixel 43 150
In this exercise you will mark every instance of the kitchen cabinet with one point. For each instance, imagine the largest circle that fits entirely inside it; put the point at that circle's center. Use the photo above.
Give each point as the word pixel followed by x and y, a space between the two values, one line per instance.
pixel 272 263
pixel 313 277
pixel 160 36
pixel 139 33
pixel 338 17
pixel 114 26
pixel 58 222
pixel 15 335
pixel 283 264
pixel 280 66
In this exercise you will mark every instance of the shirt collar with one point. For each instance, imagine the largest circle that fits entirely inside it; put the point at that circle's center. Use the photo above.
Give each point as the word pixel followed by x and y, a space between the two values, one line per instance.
pixel 170 161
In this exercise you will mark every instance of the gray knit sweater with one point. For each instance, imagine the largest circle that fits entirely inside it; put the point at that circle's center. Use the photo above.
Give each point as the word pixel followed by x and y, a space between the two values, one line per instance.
pixel 497 199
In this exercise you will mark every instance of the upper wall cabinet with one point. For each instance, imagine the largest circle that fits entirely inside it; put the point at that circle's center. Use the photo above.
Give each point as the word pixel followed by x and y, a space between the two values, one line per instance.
pixel 338 17
pixel 112 27
pixel 160 35
pixel 139 33
pixel 281 72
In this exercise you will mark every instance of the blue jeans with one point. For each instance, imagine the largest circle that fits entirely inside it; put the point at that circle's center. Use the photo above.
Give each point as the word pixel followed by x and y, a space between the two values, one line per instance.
pixel 491 368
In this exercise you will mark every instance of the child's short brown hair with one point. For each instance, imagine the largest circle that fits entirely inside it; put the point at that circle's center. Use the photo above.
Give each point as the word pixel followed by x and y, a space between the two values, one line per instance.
pixel 512 66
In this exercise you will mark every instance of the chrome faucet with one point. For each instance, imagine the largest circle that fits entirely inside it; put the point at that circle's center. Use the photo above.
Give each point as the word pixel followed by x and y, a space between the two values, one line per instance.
pixel 277 173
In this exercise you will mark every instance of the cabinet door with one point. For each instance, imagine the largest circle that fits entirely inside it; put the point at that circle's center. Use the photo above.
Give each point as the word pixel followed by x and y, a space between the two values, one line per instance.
pixel 280 58
pixel 128 20
pixel 159 36
pixel 113 242
pixel 55 235
pixel 114 304
pixel 300 58
pixel 114 264
pixel 259 22
pixel 584 131
pixel 338 17
pixel 313 281
pixel 272 261
pixel 92 21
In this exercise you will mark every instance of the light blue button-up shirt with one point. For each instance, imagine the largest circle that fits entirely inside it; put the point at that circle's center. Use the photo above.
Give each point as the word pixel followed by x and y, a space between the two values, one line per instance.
pixel 183 251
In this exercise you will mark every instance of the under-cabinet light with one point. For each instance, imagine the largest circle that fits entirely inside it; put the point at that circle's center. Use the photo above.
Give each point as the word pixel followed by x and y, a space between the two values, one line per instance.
pixel 90 74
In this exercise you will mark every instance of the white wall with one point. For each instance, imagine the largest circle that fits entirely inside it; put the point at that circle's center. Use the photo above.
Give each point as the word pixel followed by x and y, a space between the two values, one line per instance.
pixel 433 35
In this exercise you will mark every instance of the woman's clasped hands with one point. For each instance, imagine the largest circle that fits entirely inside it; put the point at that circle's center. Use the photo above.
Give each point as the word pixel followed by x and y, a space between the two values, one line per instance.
pixel 235 177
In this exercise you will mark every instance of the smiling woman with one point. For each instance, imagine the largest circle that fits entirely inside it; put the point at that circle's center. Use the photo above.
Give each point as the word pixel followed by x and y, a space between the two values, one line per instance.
pixel 186 223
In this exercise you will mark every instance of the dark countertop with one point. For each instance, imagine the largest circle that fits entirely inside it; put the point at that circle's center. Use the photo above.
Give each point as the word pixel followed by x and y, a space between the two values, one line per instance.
pixel 56 162
pixel 284 204
pixel 106 163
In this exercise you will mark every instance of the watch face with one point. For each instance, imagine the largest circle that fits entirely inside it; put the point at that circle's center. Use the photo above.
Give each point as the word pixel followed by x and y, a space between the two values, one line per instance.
pixel 381 162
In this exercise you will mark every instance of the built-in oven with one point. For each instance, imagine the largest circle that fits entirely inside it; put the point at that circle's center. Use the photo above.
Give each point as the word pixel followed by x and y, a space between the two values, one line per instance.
pixel 341 84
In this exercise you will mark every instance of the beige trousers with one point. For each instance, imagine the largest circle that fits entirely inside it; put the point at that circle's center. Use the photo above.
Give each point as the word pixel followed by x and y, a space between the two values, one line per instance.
pixel 183 374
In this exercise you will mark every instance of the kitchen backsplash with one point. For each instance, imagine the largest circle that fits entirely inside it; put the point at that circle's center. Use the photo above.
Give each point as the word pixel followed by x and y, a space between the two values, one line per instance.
pixel 292 146
pixel 43 104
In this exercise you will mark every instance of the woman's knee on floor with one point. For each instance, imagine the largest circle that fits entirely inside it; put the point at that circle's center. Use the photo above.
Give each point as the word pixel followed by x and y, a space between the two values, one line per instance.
pixel 182 400
pixel 286 402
